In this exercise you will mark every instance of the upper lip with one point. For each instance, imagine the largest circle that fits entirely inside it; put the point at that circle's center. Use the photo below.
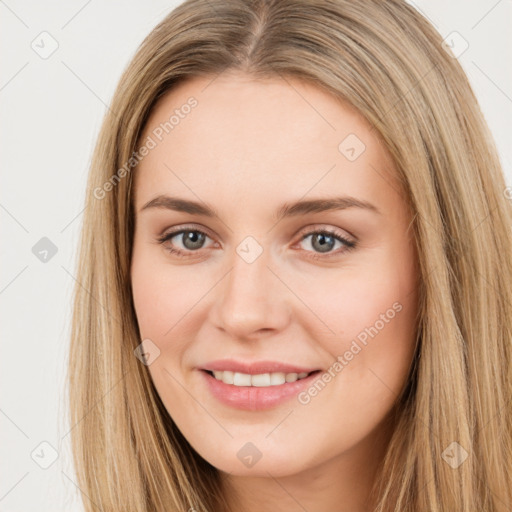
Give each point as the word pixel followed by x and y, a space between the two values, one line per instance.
pixel 255 367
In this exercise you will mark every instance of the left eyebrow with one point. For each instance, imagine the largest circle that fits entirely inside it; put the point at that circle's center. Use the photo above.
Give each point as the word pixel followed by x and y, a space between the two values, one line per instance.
pixel 301 207
pixel 324 204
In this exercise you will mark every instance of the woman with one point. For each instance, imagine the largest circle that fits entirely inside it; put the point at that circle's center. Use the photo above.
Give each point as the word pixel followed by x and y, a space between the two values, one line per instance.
pixel 294 271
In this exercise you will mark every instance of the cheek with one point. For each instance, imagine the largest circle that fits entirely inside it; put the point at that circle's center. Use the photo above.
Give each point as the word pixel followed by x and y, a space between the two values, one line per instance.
pixel 162 294
pixel 369 312
pixel 163 297
pixel 371 316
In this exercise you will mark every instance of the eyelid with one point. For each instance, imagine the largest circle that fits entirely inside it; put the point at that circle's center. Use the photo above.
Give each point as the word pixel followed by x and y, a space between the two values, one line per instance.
pixel 348 242
pixel 332 230
pixel 175 230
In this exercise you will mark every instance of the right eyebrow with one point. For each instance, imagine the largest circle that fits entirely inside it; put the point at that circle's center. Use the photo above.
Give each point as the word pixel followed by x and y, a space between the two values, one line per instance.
pixel 180 205
pixel 302 207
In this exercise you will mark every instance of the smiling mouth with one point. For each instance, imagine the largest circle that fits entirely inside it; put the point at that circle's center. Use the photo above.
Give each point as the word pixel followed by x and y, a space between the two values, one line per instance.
pixel 261 380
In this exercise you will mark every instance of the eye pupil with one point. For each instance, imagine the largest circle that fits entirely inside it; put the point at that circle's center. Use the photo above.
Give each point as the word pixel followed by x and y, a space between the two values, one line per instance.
pixel 323 245
pixel 193 239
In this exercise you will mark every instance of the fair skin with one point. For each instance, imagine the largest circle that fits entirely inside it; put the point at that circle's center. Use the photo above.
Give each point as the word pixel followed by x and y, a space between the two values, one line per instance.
pixel 247 148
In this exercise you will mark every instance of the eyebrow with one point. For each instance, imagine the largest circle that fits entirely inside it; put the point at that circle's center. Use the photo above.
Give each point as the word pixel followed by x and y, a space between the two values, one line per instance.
pixel 301 207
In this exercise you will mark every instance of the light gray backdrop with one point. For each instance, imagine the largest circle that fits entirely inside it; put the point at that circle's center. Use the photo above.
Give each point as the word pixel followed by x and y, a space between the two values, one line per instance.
pixel 60 62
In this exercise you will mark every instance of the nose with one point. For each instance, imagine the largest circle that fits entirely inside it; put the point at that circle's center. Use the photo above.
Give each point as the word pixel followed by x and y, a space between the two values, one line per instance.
pixel 251 301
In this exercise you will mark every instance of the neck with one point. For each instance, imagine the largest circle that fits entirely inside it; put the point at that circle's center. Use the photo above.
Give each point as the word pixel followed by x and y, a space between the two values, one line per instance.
pixel 342 483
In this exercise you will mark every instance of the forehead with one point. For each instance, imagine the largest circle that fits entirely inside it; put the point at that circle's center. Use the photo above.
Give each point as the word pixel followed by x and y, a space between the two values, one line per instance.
pixel 248 138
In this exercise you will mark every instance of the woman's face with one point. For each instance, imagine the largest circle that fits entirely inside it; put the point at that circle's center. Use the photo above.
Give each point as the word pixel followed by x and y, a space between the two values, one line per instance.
pixel 293 255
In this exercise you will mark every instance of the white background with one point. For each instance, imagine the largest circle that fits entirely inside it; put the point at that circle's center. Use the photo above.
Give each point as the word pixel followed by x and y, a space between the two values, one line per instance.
pixel 51 110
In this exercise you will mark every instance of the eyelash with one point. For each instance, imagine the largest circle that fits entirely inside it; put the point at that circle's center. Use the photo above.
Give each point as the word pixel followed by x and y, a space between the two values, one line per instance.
pixel 349 245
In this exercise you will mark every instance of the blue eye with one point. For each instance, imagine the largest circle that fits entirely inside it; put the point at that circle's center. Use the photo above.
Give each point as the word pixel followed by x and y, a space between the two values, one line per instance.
pixel 322 241
pixel 191 240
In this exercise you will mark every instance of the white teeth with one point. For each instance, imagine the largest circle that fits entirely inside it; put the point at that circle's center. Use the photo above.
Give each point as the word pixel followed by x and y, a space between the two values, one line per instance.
pixel 262 380
pixel 227 377
pixel 241 379
pixel 277 378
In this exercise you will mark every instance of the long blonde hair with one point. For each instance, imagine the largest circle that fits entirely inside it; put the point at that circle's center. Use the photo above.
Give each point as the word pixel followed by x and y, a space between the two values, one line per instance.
pixel 385 59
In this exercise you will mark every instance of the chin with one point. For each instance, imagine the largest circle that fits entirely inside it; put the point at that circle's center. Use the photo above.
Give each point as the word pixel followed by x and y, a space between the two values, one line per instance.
pixel 243 458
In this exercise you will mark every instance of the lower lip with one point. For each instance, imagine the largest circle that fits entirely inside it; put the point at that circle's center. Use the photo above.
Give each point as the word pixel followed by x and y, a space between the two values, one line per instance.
pixel 252 398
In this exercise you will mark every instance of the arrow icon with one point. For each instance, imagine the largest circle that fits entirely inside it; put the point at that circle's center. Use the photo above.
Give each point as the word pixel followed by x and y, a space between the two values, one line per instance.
pixel 249 455
pixel 44 455
pixel 147 352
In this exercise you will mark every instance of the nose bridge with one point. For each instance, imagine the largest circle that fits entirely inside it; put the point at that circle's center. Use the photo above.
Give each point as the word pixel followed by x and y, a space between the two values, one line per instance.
pixel 251 298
